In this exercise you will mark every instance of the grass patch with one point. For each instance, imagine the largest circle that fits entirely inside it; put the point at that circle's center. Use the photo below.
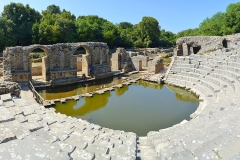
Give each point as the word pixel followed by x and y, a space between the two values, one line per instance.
pixel 36 55
pixel 162 55
pixel 167 61
pixel 36 63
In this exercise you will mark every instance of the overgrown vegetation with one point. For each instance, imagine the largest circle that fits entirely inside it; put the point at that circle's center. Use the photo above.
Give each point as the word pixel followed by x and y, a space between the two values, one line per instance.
pixel 22 25
pixel 221 23
pixel 36 55
pixel 166 58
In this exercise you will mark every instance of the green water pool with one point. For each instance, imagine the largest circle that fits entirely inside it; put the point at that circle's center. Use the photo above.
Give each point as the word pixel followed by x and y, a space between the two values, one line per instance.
pixel 140 107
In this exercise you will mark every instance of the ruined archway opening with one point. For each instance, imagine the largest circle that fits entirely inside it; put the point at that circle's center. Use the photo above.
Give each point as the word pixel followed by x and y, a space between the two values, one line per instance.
pixel 78 54
pixel 225 43
pixel 179 50
pixel 36 64
pixel 196 49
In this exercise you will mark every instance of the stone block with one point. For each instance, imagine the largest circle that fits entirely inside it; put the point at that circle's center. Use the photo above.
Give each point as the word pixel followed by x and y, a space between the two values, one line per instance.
pixel 82 155
pixel 6 97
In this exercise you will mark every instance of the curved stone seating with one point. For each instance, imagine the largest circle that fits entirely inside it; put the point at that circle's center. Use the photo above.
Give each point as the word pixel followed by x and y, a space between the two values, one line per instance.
pixel 213 131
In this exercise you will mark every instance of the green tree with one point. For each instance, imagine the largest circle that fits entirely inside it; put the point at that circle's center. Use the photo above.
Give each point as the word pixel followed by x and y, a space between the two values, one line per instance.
pixel 53 9
pixel 188 32
pixel 232 19
pixel 125 35
pixel 110 34
pixel 54 27
pixel 167 38
pixel 125 25
pixel 212 26
pixel 23 18
pixel 148 31
pixel 5 33
pixel 90 28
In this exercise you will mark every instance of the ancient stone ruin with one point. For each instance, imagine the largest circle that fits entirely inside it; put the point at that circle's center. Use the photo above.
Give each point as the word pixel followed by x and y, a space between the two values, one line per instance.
pixel 133 61
pixel 202 44
pixel 155 65
pixel 211 133
pixel 59 63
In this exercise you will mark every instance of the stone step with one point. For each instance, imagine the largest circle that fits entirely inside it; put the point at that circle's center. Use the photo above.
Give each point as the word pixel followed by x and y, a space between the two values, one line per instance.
pixel 145 150
pixel 232 74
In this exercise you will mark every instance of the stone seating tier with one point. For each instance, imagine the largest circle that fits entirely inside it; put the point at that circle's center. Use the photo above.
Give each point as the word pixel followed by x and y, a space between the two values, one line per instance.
pixel 213 131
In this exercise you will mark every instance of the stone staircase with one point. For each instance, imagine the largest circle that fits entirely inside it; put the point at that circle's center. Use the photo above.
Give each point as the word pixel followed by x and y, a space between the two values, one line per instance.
pixel 145 150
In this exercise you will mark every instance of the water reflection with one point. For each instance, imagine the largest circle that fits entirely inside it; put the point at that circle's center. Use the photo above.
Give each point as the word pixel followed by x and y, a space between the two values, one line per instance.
pixel 77 89
pixel 152 85
pixel 83 105
pixel 182 94
pixel 139 108
pixel 121 91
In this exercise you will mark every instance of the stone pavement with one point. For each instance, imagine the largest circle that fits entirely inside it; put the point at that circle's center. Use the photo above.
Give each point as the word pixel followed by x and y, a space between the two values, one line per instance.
pixel 30 131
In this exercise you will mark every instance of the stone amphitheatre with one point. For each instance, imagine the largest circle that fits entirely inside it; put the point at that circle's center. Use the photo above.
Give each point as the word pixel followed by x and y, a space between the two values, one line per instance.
pixel 206 66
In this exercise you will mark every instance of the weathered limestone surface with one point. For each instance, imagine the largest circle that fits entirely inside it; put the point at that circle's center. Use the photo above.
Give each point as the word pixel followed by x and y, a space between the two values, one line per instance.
pixel 79 63
pixel 58 63
pixel 155 65
pixel 128 61
pixel 142 58
pixel 37 70
pixel 137 64
pixel 10 87
pixel 34 132
pixel 213 132
pixel 121 60
pixel 202 44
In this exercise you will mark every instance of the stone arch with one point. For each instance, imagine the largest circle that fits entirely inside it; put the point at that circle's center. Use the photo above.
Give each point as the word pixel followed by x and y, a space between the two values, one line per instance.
pixel 196 49
pixel 87 48
pixel 86 59
pixel 31 48
pixel 45 60
pixel 179 50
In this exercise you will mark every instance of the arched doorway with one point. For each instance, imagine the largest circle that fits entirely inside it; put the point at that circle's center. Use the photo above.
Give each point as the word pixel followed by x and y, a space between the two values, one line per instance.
pixel 82 55
pixel 225 43
pixel 196 49
pixel 78 54
pixel 37 64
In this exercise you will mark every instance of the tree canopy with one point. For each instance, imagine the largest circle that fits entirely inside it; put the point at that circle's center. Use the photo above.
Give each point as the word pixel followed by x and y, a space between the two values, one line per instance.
pixel 23 25
pixel 221 23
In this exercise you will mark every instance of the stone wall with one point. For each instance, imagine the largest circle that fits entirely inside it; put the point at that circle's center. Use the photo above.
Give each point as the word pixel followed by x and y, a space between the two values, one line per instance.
pixel 126 62
pixel 144 59
pixel 37 70
pixel 202 44
pixel 131 53
pixel 79 63
pixel 59 59
pixel 10 87
pixel 137 64
pixel 121 60
pixel 155 65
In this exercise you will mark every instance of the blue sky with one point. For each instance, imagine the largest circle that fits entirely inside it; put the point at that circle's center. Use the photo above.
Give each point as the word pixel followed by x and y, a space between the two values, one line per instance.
pixel 172 15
